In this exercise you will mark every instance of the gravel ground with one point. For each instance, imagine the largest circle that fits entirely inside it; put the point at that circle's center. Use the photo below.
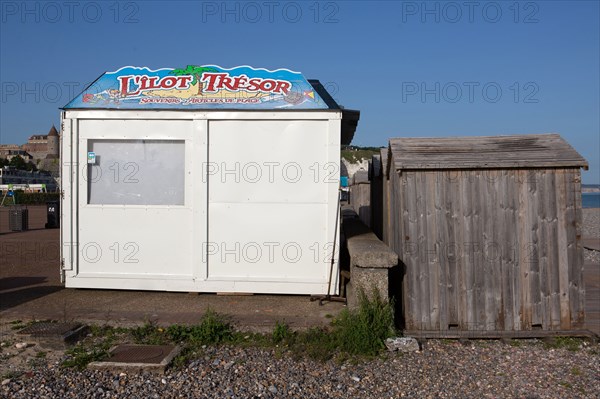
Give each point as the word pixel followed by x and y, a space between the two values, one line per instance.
pixel 591 222
pixel 443 369
pixel 591 228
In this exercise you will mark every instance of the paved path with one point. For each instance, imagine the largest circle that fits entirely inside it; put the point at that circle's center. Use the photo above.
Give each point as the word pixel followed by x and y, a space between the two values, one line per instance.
pixel 30 288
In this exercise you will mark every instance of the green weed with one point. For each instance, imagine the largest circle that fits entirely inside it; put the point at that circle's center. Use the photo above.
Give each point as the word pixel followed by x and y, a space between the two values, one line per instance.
pixel 362 332
pixel 569 343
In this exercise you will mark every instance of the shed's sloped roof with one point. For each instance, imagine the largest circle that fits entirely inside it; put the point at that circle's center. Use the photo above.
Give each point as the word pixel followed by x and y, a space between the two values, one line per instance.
pixel 201 87
pixel 519 151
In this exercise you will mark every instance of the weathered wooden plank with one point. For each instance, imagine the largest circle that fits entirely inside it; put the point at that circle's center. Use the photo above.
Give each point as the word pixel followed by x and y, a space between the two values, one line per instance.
pixel 397 212
pixel 397 216
pixel 571 220
pixel 574 217
pixel 437 285
pixel 410 240
pixel 461 203
pixel 450 251
pixel 544 304
pixel 503 291
pixel 563 247
pixel 512 290
pixel 476 248
pixel 552 247
pixel 360 199
pixel 388 209
pixel 385 211
pixel 534 241
pixel 424 293
pixel 468 266
pixel 491 226
pixel 580 259
pixel 376 195
pixel 523 251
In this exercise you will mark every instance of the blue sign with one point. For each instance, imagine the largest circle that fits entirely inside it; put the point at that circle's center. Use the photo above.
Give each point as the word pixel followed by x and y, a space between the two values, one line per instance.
pixel 199 87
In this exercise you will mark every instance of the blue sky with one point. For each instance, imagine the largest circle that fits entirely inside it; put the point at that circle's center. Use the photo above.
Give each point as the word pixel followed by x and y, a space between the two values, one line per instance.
pixel 411 68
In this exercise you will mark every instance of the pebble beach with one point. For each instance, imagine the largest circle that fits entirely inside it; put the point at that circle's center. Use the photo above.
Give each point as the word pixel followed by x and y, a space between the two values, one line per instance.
pixel 442 369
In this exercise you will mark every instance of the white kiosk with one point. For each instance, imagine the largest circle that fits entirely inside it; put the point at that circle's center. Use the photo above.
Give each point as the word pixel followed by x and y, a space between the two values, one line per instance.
pixel 202 179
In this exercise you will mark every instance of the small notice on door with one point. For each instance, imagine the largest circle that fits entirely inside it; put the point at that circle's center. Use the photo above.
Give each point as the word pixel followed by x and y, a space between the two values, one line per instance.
pixel 91 157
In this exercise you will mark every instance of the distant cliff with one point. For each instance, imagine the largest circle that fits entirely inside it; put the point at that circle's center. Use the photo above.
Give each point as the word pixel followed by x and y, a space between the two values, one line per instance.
pixel 356 158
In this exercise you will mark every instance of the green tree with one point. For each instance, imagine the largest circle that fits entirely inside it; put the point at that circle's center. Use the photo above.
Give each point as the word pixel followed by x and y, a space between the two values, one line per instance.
pixel 31 166
pixel 18 163
pixel 3 162
pixel 196 71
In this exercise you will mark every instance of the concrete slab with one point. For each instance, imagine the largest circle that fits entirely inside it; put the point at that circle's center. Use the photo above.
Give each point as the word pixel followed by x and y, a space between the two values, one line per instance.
pixel 136 358
pixel 54 335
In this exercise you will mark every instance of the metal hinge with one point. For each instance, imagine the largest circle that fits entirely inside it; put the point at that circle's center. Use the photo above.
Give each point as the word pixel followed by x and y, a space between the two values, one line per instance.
pixel 62 270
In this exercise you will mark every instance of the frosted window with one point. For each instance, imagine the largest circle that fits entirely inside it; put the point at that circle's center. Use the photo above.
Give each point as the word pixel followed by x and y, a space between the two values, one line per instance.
pixel 137 172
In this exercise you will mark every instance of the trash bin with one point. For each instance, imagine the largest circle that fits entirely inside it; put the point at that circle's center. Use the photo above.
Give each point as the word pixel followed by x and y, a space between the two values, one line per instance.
pixel 18 218
pixel 53 214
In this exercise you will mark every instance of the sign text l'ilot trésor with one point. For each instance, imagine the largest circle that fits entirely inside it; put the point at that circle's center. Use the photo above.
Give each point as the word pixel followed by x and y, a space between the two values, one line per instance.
pixel 132 85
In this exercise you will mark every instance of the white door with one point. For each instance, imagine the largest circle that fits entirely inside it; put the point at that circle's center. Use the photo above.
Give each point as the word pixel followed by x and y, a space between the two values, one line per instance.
pixel 269 192
pixel 142 210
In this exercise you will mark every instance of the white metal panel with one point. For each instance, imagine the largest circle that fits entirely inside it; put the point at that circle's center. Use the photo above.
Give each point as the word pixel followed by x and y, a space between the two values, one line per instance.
pixel 268 242
pixel 333 196
pixel 133 240
pixel 272 226
pixel 269 162
pixel 68 184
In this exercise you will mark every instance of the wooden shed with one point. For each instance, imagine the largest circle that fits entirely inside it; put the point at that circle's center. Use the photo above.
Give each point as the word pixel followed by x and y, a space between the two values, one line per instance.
pixel 360 195
pixel 489 232
pixel 385 197
pixel 375 177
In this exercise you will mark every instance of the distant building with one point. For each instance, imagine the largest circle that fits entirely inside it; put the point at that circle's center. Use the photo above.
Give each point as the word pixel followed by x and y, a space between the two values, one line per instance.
pixel 9 151
pixel 41 149
pixel 43 146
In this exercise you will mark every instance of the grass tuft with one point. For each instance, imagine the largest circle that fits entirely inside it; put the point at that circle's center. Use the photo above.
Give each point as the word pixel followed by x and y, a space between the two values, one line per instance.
pixel 353 334
pixel 363 332
pixel 281 333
